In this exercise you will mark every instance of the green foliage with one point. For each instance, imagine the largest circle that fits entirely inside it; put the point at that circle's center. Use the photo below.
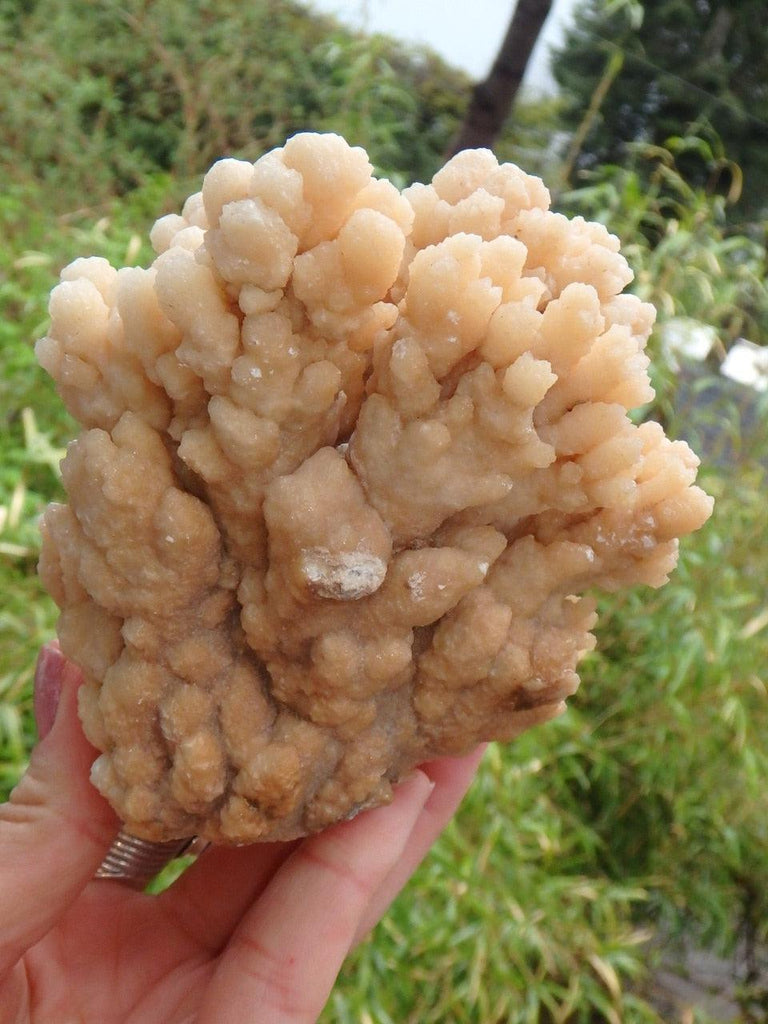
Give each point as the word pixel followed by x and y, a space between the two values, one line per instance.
pixel 686 69
pixel 677 693
pixel 506 921
pixel 117 90
pixel 686 260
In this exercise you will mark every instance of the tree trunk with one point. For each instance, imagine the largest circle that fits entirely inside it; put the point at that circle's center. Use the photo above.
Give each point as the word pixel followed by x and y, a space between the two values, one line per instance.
pixel 492 98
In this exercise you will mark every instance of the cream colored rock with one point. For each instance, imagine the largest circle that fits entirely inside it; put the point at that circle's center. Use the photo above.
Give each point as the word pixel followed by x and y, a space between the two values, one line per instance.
pixel 350 458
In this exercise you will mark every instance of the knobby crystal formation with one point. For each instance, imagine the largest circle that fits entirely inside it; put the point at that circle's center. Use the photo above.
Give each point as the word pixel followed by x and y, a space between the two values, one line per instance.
pixel 349 458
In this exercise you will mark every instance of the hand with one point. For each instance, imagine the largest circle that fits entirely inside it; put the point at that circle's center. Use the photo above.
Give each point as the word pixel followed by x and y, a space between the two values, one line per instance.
pixel 257 933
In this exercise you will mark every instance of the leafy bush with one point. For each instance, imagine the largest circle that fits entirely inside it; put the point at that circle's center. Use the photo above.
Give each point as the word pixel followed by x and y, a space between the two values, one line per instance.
pixel 675 236
pixel 117 90
pixel 687 262
pixel 670 67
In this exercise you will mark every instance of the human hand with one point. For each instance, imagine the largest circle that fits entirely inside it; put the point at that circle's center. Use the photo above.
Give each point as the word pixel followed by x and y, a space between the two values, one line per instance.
pixel 256 933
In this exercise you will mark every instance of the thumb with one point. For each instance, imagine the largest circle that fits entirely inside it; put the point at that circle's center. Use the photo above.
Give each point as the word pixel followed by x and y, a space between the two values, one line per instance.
pixel 55 828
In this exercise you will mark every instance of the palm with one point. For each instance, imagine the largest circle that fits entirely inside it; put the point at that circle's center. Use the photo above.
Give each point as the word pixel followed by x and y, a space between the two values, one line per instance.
pixel 119 955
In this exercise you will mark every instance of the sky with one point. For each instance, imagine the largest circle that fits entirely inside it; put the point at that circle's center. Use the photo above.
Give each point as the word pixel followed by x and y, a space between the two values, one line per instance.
pixel 467 33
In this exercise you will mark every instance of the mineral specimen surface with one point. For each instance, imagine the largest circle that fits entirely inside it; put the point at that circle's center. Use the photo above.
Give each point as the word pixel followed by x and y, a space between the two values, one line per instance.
pixel 350 458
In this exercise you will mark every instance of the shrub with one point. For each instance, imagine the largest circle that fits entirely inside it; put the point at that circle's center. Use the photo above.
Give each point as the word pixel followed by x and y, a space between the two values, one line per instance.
pixel 117 90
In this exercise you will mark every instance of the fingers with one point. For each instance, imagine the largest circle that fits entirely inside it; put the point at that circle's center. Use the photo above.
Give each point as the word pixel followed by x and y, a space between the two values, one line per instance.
pixel 212 895
pixel 452 777
pixel 55 829
pixel 283 959
pixel 210 898
pixel 48 682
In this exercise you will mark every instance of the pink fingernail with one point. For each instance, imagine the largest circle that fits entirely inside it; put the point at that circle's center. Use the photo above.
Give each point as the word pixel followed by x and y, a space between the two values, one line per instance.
pixel 49 673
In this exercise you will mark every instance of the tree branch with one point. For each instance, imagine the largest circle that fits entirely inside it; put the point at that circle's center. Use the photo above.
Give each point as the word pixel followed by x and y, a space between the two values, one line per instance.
pixel 492 98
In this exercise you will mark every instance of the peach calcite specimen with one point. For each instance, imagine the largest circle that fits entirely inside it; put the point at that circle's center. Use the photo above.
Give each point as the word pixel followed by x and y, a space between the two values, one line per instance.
pixel 349 457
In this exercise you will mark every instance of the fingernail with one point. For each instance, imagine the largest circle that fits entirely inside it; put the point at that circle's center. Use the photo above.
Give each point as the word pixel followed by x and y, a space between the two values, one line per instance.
pixel 420 781
pixel 49 673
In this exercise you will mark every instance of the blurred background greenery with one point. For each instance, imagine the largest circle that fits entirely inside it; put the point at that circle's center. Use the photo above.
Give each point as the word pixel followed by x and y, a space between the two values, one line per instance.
pixel 600 861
